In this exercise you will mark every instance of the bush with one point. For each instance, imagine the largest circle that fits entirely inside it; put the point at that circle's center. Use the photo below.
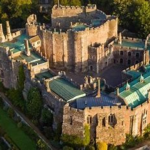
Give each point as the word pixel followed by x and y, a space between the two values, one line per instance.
pixel 101 146
pixel 67 148
pixel 112 147
pixel 90 147
pixel 19 125
pixel 10 112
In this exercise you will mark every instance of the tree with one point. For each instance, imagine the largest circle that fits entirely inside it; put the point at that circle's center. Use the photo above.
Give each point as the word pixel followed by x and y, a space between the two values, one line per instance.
pixel 67 148
pixel 90 147
pixel 47 117
pixel 76 141
pixel 34 103
pixel 101 146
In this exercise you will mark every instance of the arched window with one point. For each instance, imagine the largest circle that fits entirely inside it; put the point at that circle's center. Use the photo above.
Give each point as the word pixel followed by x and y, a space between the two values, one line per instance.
pixel 104 122
pixel 137 55
pixel 121 61
pixel 71 121
pixel 112 119
pixel 129 62
pixel 121 52
pixel 129 53
pixel 89 119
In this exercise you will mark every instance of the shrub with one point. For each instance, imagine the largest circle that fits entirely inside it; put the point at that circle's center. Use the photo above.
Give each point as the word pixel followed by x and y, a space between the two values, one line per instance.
pixel 67 148
pixel 90 147
pixel 10 112
pixel 101 146
pixel 19 125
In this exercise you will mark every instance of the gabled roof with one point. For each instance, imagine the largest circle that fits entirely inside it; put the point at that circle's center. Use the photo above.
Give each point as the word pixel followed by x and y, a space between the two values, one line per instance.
pixel 138 92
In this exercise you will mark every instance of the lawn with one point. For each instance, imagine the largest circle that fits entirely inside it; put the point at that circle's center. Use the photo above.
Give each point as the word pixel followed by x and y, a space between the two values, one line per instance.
pixel 22 140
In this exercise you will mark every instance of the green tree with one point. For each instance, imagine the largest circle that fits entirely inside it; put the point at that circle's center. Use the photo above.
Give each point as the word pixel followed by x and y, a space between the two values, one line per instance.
pixel 34 103
pixel 67 148
pixel 90 147
pixel 76 141
pixel 47 117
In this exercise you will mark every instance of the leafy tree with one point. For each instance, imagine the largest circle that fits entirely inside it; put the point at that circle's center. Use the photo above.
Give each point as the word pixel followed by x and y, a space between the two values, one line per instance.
pixel 90 147
pixel 67 148
pixel 47 117
pixel 101 146
pixel 34 103
pixel 76 141
pixel 21 78
pixel 147 132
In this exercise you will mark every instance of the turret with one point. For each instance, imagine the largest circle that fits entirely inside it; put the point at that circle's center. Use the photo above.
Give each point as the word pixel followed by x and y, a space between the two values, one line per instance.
pixel 2 37
pixel 9 36
pixel 27 49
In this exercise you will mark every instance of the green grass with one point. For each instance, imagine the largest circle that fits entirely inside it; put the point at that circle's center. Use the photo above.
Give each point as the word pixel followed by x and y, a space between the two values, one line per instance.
pixel 16 134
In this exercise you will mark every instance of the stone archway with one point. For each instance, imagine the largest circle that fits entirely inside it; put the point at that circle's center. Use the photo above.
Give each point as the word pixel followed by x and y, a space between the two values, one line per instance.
pixel 146 41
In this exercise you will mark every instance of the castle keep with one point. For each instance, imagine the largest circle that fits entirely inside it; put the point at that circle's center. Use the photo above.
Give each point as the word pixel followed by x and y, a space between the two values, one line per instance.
pixel 81 40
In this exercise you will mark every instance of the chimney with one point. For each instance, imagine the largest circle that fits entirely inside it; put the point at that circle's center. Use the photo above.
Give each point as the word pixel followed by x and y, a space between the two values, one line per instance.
pixel 120 38
pixel 99 88
pixel 2 37
pixel 9 36
pixel 47 85
pixel 27 49
pixel 117 91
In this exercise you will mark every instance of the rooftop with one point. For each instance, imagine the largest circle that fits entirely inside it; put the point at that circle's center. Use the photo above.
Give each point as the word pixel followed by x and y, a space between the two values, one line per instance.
pixel 16 44
pixel 104 100
pixel 138 92
pixel 66 90
pixel 44 75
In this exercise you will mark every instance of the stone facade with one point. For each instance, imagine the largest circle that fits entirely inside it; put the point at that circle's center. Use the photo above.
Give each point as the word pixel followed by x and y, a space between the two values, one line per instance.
pixel 107 124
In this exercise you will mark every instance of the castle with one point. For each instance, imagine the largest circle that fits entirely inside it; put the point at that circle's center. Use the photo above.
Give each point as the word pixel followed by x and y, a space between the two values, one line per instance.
pixel 81 39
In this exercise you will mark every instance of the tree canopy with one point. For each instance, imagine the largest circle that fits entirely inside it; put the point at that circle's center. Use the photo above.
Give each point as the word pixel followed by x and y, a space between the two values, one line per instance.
pixel 34 103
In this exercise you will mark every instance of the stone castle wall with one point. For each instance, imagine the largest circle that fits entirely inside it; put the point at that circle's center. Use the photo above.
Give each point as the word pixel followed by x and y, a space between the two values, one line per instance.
pixel 69 49
pixel 125 121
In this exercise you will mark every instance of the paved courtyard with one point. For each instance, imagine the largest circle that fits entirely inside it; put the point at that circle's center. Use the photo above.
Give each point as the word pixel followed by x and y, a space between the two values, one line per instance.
pixel 112 75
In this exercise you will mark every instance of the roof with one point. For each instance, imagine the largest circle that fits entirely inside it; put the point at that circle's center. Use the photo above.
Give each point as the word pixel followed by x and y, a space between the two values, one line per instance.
pixel 138 92
pixel 16 44
pixel 34 39
pixel 33 59
pixel 104 100
pixel 66 90
pixel 45 75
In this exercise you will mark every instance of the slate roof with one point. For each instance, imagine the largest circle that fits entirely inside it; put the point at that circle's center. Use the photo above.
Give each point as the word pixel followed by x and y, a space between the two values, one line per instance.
pixel 104 100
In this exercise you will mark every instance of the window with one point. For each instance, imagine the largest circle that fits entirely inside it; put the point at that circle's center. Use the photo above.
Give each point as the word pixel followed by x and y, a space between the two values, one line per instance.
pixel 71 120
pixel 104 122
pixel 129 53
pixel 112 120
pixel 137 55
pixel 89 119
pixel 121 52
pixel 129 62
pixel 121 61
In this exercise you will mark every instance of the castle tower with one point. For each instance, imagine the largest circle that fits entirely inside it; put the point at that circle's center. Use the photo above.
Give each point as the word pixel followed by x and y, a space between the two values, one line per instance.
pixel 2 37
pixel 99 88
pixel 27 49
pixel 9 36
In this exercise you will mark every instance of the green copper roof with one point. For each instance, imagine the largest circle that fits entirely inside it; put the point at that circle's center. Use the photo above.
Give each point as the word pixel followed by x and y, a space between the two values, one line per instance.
pixel 66 90
pixel 133 73
pixel 138 92
pixel 45 75
pixel 17 44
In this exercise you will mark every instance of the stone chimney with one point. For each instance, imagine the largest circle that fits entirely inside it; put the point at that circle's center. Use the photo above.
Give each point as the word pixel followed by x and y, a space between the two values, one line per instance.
pixel 117 91
pixel 9 36
pixel 120 38
pixel 2 37
pixel 99 88
pixel 27 49
pixel 47 85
